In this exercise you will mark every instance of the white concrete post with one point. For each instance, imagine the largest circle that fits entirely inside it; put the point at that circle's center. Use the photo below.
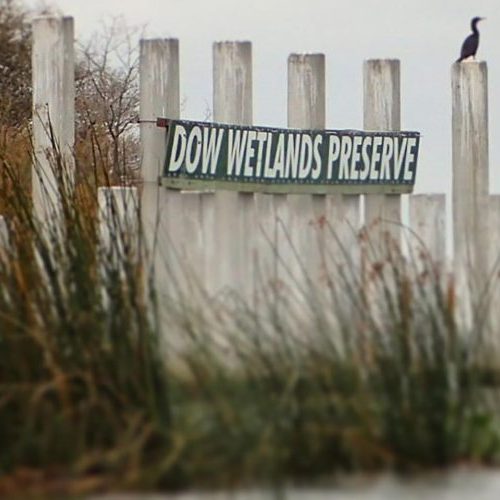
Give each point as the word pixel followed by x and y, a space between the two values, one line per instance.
pixel 4 233
pixel 470 174
pixel 427 238
pixel 494 234
pixel 494 267
pixel 232 85
pixel 159 98
pixel 53 109
pixel 234 218
pixel 343 244
pixel 382 112
pixel 306 91
pixel 306 213
pixel 119 219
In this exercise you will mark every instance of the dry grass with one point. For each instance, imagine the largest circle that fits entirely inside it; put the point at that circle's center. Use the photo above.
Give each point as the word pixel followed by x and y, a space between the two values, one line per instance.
pixel 88 402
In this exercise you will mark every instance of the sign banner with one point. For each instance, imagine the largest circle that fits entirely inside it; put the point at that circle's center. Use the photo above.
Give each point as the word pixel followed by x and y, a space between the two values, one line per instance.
pixel 216 156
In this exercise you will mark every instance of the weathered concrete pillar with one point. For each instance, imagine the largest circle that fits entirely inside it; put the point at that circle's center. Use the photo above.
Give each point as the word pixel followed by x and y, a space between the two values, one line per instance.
pixel 470 175
pixel 4 233
pixel 306 91
pixel 427 238
pixel 343 245
pixel 494 234
pixel 234 218
pixel 232 85
pixel 159 97
pixel 53 110
pixel 306 213
pixel 119 220
pixel 382 112
pixel 493 295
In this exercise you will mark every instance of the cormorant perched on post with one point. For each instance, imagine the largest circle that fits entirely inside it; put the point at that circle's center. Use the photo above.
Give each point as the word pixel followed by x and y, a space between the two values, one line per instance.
pixel 471 43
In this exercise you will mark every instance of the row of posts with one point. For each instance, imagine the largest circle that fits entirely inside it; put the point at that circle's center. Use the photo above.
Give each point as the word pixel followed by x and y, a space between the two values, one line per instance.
pixel 53 98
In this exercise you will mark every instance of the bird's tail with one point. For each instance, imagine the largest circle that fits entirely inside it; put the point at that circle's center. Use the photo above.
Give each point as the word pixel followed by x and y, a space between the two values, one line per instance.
pixel 460 59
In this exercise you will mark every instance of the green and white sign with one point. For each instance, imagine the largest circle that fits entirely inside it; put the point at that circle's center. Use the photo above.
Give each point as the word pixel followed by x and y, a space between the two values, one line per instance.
pixel 217 156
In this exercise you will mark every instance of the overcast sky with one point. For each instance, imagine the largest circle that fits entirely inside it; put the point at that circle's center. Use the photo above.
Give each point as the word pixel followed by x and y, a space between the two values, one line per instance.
pixel 425 35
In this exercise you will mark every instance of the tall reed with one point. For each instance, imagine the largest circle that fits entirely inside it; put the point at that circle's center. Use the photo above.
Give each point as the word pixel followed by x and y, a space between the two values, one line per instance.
pixel 368 370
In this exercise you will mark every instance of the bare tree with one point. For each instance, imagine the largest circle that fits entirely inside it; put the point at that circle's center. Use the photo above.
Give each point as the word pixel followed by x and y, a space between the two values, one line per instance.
pixel 107 99
pixel 15 66
pixel 107 93
pixel 15 96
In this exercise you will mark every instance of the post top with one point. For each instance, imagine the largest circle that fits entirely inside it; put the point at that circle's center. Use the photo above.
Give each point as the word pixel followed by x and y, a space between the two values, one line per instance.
pixel 469 69
pixel 470 64
pixel 158 40
pixel 304 55
pixel 232 42
pixel 381 62
pixel 51 17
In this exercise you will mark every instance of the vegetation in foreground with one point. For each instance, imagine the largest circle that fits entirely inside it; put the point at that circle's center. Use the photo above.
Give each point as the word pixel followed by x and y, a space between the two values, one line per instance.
pixel 93 395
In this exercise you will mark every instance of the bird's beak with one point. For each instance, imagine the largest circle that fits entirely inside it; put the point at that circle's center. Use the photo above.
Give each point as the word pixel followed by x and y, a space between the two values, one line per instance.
pixel 483 19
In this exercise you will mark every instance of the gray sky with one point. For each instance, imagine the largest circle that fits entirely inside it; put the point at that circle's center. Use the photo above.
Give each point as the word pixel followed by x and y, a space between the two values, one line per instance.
pixel 425 35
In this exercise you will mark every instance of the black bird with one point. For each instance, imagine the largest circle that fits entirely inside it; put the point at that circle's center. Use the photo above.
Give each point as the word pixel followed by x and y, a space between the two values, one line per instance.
pixel 471 43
